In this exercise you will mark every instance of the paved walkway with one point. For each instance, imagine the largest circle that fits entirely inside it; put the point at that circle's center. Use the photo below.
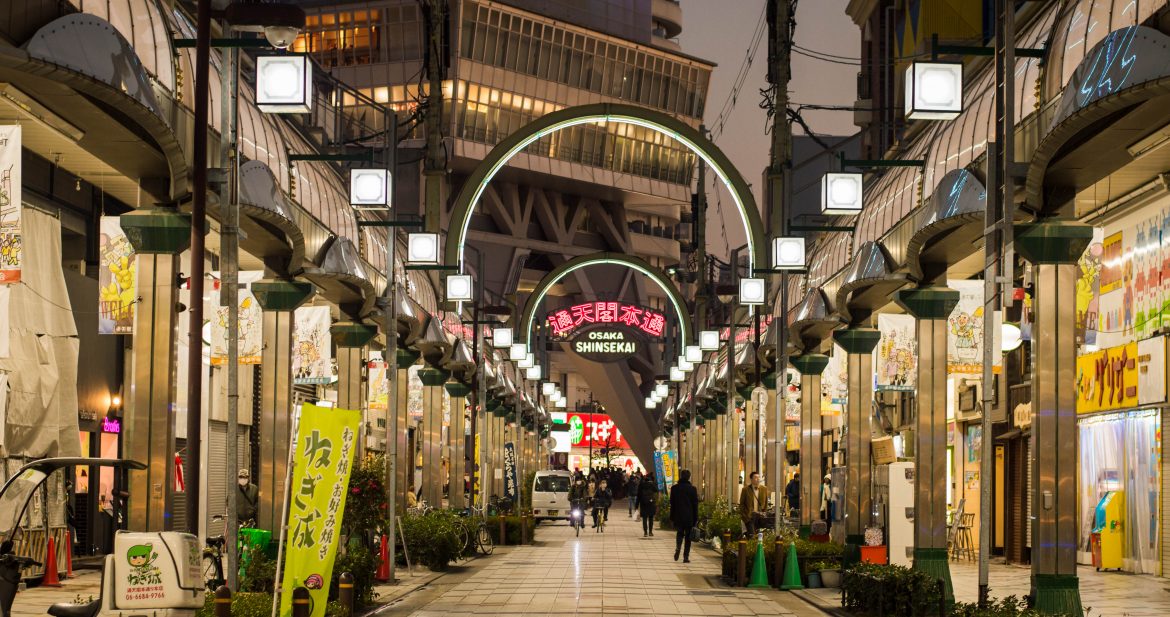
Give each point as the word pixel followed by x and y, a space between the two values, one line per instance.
pixel 84 586
pixel 1103 594
pixel 615 573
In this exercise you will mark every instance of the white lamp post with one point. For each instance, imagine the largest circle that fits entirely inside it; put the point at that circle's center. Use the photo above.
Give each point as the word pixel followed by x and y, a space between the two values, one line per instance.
pixel 662 390
pixel 788 253
pixel 517 351
pixel 709 340
pixel 422 248
pixel 459 288
pixel 677 374
pixel 369 189
pixel 284 84
pixel 501 337
pixel 841 193
pixel 694 354
pixel 547 388
pixel 532 373
pixel 751 291
pixel 934 90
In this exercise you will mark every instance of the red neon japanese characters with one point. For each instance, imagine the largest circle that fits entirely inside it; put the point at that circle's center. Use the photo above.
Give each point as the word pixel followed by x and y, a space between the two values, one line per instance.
pixel 564 321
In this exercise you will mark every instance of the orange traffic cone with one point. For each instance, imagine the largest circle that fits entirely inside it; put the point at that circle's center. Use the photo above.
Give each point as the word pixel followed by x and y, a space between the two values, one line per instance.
pixel 51 579
pixel 68 554
pixel 383 573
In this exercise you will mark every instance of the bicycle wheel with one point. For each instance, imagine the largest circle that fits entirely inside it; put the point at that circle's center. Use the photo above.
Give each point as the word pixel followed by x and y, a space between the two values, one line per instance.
pixel 466 548
pixel 212 572
pixel 484 539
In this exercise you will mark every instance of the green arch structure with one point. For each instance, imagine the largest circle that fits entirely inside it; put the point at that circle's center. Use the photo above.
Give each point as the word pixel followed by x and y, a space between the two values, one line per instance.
pixel 685 134
pixel 602 259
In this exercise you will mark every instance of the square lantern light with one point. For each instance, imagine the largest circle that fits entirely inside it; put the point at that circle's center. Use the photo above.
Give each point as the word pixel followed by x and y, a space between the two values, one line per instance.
pixel 532 373
pixel 502 337
pixel 662 390
pixel 709 340
pixel 284 84
pixel 422 248
pixel 517 351
pixel 369 189
pixel 694 354
pixel 547 388
pixel 650 403
pixel 934 90
pixel 459 288
pixel 751 292
pixel 527 362
pixel 841 193
pixel 685 364
pixel 677 375
pixel 788 253
pixel 561 403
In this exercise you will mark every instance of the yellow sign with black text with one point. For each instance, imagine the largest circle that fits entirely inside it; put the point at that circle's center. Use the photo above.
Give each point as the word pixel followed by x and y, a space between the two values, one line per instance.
pixel 1107 379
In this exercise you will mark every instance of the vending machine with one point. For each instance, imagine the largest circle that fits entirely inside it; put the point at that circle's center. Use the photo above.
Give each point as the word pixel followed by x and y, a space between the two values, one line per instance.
pixel 1108 535
pixel 894 499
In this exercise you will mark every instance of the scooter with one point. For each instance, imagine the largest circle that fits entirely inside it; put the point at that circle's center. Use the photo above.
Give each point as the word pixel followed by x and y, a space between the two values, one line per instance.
pixel 148 575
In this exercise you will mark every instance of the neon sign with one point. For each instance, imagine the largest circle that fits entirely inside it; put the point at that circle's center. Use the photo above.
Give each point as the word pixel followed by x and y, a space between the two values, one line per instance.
pixel 564 321
pixel 111 425
pixel 596 429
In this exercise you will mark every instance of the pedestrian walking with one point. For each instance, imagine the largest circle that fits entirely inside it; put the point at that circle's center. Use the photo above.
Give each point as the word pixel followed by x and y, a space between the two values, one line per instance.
pixel 684 513
pixel 753 500
pixel 792 493
pixel 633 492
pixel 648 504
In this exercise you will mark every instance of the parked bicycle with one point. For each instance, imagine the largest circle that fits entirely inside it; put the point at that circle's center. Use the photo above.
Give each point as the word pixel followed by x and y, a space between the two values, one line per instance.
pixel 475 534
pixel 213 554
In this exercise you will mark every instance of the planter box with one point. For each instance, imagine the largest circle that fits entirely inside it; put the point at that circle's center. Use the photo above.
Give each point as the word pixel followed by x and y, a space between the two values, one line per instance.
pixel 831 578
pixel 873 554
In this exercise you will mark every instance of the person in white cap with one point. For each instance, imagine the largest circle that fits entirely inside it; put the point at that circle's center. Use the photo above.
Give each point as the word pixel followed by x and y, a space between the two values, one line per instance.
pixel 248 500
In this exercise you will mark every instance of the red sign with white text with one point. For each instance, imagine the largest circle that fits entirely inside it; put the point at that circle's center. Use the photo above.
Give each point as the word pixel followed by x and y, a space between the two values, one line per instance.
pixel 598 429
pixel 565 321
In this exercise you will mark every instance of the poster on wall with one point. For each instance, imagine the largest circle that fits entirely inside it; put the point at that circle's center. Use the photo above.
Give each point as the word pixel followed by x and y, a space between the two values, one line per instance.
pixel 312 354
pixel 10 202
pixel 835 379
pixel 251 323
pixel 378 386
pixel 1088 290
pixel 1107 379
pixel 974 443
pixel 414 393
pixel 965 329
pixel 1151 362
pixel 117 279
pixel 897 353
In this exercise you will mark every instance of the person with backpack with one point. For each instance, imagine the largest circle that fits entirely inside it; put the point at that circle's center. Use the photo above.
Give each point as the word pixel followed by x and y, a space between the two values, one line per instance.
pixel 684 513
pixel 648 503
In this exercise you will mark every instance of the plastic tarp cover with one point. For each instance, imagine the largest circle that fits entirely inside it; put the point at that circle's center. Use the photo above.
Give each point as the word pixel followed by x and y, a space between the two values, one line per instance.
pixel 41 413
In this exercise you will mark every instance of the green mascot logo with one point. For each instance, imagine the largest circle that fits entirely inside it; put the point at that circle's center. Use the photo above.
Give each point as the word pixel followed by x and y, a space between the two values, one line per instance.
pixel 142 569
pixel 576 429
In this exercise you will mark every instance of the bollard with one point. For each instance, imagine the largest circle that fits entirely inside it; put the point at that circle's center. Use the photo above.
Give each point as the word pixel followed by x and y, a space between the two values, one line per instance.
pixel 726 541
pixel 223 602
pixel 942 598
pixel 779 563
pixel 301 602
pixel 741 572
pixel 345 593
pixel 523 529
pixel 503 531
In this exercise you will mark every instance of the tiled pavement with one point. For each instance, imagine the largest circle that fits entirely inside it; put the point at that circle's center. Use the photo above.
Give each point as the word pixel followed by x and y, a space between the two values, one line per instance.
pixel 615 573
pixel 1103 594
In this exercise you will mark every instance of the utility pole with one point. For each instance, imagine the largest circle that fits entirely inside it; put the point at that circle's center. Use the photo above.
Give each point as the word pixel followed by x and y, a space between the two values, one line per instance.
pixel 198 225
pixel 435 161
pixel 777 186
pixel 230 298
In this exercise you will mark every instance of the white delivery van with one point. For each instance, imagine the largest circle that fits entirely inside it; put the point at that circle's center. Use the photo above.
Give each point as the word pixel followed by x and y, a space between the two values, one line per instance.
pixel 550 495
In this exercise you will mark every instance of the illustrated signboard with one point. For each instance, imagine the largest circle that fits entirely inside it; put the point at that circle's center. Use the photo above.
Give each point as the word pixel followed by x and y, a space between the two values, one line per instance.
pixel 378 387
pixel 1089 290
pixel 669 469
pixel 312 354
pixel 965 329
pixel 1107 379
pixel 324 450
pixel 659 471
pixel 510 471
pixel 1151 370
pixel 117 279
pixel 897 352
pixel 251 324
pixel 11 241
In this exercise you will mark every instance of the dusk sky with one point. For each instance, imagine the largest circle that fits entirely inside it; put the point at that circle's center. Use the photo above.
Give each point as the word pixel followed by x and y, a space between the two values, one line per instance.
pixel 720 31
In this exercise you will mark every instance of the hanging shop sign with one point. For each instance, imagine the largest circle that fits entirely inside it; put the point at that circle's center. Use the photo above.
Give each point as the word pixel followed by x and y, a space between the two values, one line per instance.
pixel 510 471
pixel 669 469
pixel 1108 379
pixel 250 322
pixel 117 279
pixel 595 430
pixel 1151 364
pixel 312 354
pixel 659 471
pixel 11 241
pixel 567 322
pixel 606 345
pixel 325 444
pixel 377 385
pixel 897 352
pixel 965 329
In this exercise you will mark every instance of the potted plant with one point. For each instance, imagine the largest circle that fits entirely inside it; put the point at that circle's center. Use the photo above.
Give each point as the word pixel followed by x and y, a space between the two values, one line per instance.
pixel 830 574
pixel 815 579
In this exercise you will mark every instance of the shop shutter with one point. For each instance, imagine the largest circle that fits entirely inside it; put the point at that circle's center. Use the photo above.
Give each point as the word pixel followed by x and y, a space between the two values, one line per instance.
pixel 1028 496
pixel 1165 503
pixel 218 481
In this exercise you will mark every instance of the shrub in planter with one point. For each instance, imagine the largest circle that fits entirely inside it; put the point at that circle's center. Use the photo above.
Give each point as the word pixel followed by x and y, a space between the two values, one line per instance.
pixel 890 590
pixel 511 528
pixel 249 604
pixel 662 514
pixel 432 539
pixel 1010 606
pixel 730 557
pixel 724 520
pixel 362 564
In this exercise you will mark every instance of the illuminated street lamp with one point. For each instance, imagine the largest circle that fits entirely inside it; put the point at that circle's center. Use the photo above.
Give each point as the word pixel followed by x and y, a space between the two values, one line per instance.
pixel 662 390
pixel 694 354
pixel 547 388
pixel 422 249
pixel 284 84
pixel 934 90
pixel 532 373
pixel 517 351
pixel 369 189
pixel 459 288
pixel 709 340
pixel 788 253
pixel 751 291
pixel 527 362
pixel 841 193
pixel 502 337
pixel 685 364
pixel 677 374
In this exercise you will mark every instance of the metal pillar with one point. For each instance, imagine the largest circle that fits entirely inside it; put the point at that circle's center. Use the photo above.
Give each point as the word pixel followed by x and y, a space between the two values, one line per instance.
pixel 350 339
pixel 859 344
pixel 932 307
pixel 458 442
pixel 404 465
pixel 1054 247
pixel 810 366
pixel 149 424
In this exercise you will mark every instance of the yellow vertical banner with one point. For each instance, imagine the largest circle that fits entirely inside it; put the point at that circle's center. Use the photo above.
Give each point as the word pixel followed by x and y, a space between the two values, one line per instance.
pixel 324 450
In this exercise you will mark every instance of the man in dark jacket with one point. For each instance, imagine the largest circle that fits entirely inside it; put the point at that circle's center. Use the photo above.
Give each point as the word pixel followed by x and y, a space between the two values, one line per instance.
pixel 648 503
pixel 684 513
pixel 632 483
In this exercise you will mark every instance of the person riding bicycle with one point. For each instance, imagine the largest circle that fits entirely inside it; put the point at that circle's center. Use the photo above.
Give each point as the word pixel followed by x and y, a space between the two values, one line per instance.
pixel 602 500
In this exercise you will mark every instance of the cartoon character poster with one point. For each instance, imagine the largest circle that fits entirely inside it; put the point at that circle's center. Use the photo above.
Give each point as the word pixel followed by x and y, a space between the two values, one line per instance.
pixel 835 379
pixel 117 279
pixel 10 204
pixel 378 386
pixel 965 329
pixel 312 354
pixel 251 324
pixel 1089 289
pixel 897 352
